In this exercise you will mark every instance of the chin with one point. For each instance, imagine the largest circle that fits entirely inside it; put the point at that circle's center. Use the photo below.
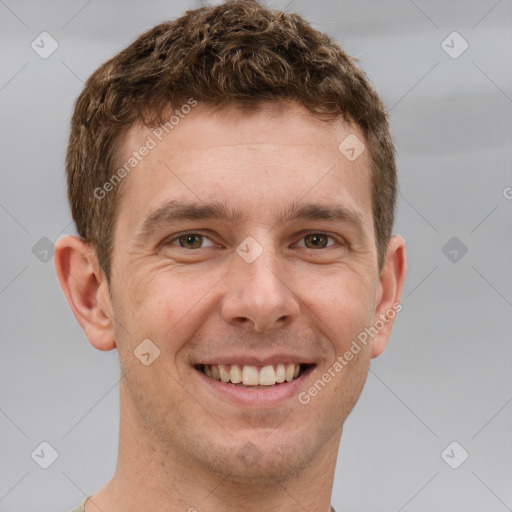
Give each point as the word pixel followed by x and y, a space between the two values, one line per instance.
pixel 257 460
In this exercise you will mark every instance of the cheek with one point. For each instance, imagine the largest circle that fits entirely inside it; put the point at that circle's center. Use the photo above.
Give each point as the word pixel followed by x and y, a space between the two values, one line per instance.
pixel 158 304
pixel 343 302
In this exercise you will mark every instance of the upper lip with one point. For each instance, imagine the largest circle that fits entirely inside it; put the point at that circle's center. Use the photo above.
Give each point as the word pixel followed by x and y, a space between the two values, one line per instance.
pixel 254 360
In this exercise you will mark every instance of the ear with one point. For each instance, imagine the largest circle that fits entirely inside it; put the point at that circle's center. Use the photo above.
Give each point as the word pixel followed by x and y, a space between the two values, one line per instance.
pixel 389 292
pixel 85 286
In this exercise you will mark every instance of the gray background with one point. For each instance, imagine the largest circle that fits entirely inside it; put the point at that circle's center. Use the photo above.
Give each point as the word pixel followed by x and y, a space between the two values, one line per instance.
pixel 446 375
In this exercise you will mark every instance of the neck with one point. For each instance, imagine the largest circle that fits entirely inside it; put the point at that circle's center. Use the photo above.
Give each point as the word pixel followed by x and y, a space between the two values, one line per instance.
pixel 152 476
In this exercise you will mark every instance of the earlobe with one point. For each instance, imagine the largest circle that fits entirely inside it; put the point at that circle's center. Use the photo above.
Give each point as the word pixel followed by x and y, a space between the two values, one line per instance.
pixel 389 293
pixel 86 289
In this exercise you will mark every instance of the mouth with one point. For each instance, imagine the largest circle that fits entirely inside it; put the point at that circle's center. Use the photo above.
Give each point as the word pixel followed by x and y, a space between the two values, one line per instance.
pixel 255 377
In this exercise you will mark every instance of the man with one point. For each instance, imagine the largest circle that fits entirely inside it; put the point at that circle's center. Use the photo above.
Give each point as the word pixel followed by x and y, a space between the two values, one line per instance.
pixel 232 178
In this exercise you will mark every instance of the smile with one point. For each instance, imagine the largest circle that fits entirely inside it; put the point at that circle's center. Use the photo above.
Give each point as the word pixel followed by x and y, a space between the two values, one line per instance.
pixel 257 377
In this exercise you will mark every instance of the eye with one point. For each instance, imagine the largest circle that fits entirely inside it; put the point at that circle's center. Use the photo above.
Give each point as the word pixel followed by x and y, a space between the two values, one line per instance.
pixel 317 241
pixel 189 240
pixel 193 240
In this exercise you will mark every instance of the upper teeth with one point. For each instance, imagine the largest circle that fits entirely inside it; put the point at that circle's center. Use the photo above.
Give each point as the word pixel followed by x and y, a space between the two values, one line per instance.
pixel 253 375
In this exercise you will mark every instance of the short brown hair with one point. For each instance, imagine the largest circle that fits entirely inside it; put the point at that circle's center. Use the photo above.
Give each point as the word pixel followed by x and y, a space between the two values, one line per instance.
pixel 235 53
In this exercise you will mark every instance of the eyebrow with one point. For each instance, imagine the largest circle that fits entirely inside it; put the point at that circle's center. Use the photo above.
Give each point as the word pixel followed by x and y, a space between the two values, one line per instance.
pixel 174 210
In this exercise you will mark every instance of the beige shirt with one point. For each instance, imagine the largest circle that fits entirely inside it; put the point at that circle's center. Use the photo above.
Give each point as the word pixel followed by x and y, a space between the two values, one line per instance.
pixel 81 507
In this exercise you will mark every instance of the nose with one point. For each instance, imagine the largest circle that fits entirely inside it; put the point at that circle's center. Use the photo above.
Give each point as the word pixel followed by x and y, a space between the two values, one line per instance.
pixel 259 295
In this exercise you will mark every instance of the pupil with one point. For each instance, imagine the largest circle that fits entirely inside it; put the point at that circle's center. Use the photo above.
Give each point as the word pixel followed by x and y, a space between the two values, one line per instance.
pixel 315 239
pixel 189 239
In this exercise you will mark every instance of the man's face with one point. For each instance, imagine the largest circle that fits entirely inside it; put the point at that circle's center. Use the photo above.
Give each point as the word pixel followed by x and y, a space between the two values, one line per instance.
pixel 254 290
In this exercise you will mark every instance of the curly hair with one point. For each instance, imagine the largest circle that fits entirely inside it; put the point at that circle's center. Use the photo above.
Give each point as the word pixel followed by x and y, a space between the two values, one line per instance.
pixel 236 53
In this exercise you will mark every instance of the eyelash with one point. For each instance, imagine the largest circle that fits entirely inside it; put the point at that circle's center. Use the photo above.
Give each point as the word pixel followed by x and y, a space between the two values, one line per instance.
pixel 176 237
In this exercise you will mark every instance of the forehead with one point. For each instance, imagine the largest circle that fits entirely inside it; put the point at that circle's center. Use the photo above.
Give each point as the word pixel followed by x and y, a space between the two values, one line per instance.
pixel 248 159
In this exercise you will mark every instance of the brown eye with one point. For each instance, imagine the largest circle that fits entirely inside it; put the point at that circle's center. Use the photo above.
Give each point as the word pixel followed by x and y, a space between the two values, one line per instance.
pixel 316 241
pixel 189 241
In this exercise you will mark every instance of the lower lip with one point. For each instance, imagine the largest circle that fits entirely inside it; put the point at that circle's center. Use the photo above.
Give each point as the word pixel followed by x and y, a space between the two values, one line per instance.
pixel 256 397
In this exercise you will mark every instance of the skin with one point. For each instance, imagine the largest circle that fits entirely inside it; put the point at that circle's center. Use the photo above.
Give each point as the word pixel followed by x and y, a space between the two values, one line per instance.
pixel 180 442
